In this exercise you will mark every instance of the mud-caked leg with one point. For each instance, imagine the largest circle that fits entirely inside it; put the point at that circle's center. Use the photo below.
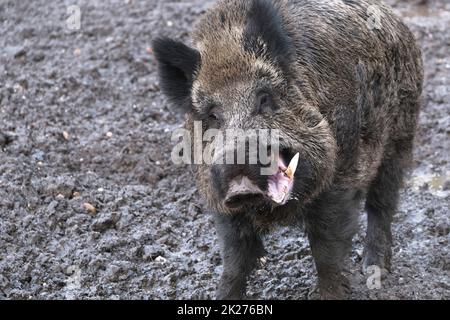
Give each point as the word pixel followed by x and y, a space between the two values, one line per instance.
pixel 331 225
pixel 381 204
pixel 241 246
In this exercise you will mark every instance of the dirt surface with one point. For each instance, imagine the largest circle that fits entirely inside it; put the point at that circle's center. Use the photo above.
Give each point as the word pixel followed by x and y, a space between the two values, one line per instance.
pixel 82 121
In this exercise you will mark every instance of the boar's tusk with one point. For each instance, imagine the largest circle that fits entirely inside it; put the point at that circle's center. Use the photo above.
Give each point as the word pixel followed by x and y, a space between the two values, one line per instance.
pixel 290 171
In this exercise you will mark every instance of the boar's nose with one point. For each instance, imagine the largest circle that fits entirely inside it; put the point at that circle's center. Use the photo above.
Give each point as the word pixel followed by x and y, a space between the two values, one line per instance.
pixel 242 192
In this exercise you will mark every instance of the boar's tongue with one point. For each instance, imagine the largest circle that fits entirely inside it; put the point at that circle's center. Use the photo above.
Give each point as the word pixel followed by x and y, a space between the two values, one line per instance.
pixel 280 184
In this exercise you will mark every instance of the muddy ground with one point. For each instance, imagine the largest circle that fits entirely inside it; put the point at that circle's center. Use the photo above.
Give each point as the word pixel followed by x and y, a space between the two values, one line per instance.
pixel 82 120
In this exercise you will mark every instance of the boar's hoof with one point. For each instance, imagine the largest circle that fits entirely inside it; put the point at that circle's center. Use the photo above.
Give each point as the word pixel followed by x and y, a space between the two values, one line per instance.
pixel 379 257
pixel 331 290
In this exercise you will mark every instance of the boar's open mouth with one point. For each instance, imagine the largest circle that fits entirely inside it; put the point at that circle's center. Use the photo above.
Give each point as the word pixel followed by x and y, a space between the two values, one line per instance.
pixel 244 192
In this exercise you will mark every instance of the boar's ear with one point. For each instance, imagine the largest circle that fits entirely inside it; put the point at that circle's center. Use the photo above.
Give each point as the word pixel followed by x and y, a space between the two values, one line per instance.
pixel 264 22
pixel 177 64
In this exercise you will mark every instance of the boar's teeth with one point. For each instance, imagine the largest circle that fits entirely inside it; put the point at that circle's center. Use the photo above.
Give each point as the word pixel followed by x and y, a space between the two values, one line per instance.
pixel 290 171
pixel 279 197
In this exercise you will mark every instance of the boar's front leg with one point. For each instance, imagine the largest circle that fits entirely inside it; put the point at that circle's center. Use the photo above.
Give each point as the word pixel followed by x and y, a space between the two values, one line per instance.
pixel 331 224
pixel 241 246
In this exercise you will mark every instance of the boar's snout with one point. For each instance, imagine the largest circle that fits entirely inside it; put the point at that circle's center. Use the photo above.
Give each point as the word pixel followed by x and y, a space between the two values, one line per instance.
pixel 242 192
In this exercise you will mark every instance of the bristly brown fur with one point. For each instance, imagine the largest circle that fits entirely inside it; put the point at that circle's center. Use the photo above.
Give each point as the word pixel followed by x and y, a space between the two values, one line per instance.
pixel 348 98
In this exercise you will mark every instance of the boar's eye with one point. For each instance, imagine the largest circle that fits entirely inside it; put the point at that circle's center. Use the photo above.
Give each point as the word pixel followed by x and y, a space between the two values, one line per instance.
pixel 213 119
pixel 265 103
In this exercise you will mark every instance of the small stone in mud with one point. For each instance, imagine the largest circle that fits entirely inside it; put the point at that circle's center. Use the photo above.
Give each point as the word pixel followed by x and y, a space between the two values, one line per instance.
pixel 61 185
pixel 290 256
pixel 4 140
pixel 18 88
pixel 105 222
pixel 194 210
pixel 38 57
pixel 424 187
pixel 20 53
pixel 90 208
pixel 152 253
pixel 66 135
pixel 263 261
pixel 160 259
pixel 446 185
pixel 118 271
pixel 443 228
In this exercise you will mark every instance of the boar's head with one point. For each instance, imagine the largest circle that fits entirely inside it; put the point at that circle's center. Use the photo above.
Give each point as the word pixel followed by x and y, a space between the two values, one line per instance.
pixel 243 73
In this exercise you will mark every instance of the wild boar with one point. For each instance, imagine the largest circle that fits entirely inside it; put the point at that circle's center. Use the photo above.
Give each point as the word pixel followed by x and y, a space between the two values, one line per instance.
pixel 341 82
